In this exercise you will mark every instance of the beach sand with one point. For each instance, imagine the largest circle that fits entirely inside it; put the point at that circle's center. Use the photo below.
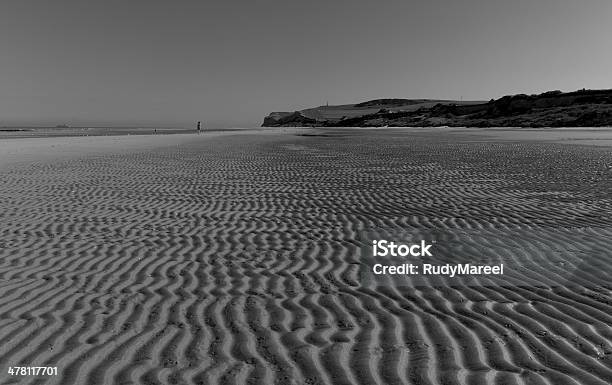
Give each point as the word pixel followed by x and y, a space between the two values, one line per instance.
pixel 234 257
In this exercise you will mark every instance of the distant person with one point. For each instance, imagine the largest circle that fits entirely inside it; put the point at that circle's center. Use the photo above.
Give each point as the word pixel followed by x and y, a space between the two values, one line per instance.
pixel 199 126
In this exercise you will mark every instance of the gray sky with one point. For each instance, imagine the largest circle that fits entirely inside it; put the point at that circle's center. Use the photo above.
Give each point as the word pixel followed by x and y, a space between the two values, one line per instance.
pixel 231 62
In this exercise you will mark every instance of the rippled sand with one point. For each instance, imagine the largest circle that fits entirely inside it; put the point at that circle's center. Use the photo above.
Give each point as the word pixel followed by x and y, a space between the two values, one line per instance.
pixel 235 258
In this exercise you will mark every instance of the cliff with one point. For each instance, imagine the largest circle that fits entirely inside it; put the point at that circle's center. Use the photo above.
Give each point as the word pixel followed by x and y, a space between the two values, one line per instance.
pixel 584 108
pixel 284 119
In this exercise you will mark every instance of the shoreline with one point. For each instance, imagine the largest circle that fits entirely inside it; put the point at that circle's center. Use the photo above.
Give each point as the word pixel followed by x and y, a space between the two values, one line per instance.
pixel 16 151
pixel 44 132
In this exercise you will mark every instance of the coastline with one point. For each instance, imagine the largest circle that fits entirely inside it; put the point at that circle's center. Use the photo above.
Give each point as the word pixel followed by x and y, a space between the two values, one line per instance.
pixel 582 108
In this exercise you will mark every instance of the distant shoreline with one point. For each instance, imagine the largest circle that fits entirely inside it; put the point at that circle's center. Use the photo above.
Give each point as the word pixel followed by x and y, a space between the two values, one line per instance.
pixel 583 108
pixel 43 132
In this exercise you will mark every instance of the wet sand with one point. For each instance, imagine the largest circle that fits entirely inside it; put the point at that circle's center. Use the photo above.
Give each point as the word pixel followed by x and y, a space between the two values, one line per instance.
pixel 236 258
pixel 49 132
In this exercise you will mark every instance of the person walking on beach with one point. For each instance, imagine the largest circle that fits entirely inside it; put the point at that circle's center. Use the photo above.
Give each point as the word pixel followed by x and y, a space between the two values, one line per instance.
pixel 199 126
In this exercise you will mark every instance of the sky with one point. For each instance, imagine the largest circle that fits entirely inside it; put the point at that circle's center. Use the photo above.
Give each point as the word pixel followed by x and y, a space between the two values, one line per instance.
pixel 230 63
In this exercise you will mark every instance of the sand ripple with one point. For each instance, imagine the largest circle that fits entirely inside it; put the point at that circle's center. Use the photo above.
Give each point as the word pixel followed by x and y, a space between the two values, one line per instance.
pixel 235 260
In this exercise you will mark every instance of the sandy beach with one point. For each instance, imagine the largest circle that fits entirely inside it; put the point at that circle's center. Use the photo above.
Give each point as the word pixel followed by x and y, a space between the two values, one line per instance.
pixel 235 257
